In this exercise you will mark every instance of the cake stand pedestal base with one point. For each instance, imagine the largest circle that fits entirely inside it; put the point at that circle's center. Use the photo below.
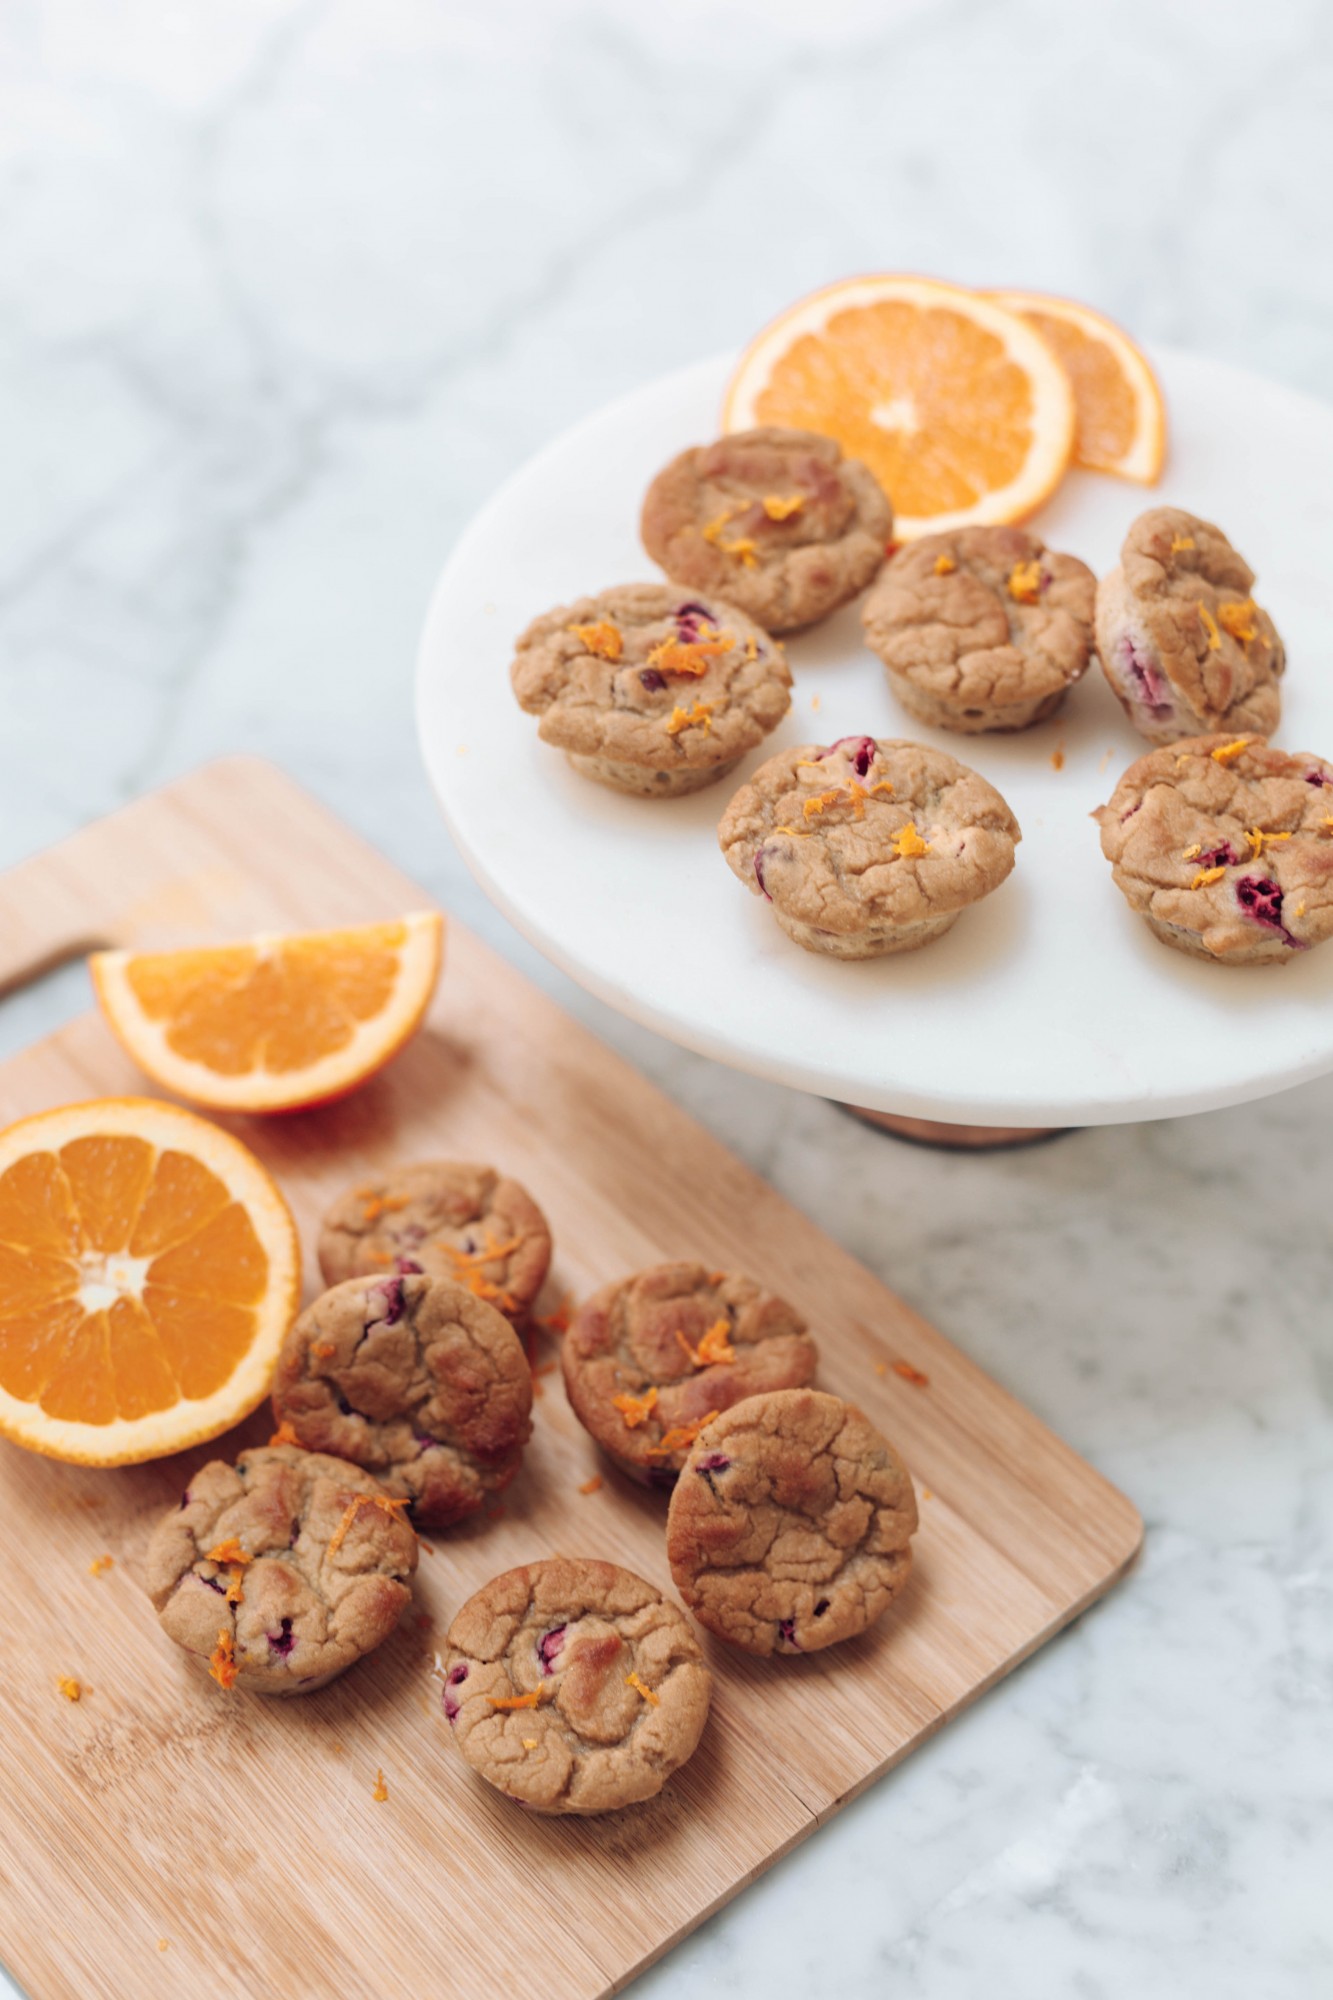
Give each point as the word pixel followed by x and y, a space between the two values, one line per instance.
pixel 957 1138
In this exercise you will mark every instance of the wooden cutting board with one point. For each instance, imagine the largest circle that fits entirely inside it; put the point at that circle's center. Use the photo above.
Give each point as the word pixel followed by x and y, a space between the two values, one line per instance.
pixel 162 1838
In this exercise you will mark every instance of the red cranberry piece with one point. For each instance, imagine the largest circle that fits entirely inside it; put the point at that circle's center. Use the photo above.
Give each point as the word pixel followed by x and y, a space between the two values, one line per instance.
pixel 759 874
pixel 787 1633
pixel 1261 899
pixel 861 754
pixel 550 1646
pixel 652 680
pixel 455 1676
pixel 392 1290
pixel 281 1642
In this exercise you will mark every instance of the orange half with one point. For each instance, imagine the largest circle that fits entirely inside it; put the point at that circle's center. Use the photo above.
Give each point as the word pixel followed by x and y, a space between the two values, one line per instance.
pixel 149 1269
pixel 958 405
pixel 274 1023
pixel 1121 419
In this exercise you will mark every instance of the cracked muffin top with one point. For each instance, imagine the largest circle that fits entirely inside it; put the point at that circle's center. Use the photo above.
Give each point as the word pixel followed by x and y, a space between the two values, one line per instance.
pixel 868 832
pixel 775 520
pixel 281 1570
pixel 646 674
pixel 1182 641
pixel 790 1526
pixel 417 1380
pixel 983 617
pixel 449 1218
pixel 1227 843
pixel 648 1358
pixel 574 1686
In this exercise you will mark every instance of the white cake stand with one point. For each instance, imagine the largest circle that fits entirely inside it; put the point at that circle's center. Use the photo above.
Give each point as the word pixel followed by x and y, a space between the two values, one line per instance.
pixel 1048 1005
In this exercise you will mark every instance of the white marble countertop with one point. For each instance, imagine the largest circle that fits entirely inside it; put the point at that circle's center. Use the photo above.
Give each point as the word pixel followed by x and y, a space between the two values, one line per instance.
pixel 286 290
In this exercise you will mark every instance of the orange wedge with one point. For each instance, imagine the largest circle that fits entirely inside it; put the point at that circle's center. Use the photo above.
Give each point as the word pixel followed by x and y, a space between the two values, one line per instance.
pixel 149 1269
pixel 1121 419
pixel 958 406
pixel 275 1023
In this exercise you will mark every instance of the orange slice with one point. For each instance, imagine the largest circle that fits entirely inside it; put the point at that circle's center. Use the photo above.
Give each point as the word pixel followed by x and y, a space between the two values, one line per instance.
pixel 1121 421
pixel 958 406
pixel 274 1023
pixel 149 1269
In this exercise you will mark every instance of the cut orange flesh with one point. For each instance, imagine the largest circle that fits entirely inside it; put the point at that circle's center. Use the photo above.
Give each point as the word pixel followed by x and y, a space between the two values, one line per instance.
pixel 274 1023
pixel 1121 419
pixel 149 1269
pixel 958 406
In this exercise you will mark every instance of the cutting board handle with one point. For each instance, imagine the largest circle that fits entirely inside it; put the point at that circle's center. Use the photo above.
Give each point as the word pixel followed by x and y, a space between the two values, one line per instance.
pixel 45 920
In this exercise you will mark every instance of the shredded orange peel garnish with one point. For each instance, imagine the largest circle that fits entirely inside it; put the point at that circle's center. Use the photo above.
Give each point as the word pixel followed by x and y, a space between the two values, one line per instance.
pixel 1259 840
pixel 945 565
pixel 1179 542
pixel 1193 853
pixel 381 1791
pixel 698 717
pixel 715 1345
pixel 635 1410
pixel 69 1687
pixel 593 1485
pixel 1025 582
pixel 509 1702
pixel 1206 877
pixel 101 1563
pixel 741 547
pixel 916 1376
pixel 780 507
pixel 1238 619
pixel 642 1688
pixel 908 843
pixel 679 1438
pixel 602 639
pixel 689 656
pixel 821 801
pixel 284 1434
pixel 222 1660
pixel 1227 753
pixel 357 1506
pixel 559 1320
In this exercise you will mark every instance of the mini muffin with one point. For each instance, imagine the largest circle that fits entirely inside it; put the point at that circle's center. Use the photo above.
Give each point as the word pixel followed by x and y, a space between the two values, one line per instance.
pixel 983 628
pixel 869 846
pixel 790 1527
pixel 1225 847
pixel 416 1379
pixel 282 1570
pixel 1182 642
pixel 574 1686
pixel 650 1357
pixel 449 1218
pixel 777 521
pixel 649 690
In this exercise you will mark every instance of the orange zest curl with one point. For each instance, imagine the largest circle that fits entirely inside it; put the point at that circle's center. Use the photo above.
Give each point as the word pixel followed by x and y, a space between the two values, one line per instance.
pixel 679 1438
pixel 381 1791
pixel 751 649
pixel 698 717
pixel 323 1348
pixel 741 547
pixel 1193 853
pixel 689 656
pixel 513 1701
pixel 1258 840
pixel 284 1434
pixel 1209 624
pixel 795 832
pixel 222 1661
pixel 1058 757
pixel 916 1376
pixel 101 1563
pixel 356 1506
pixel 635 1410
pixel 780 508
pixel 1327 821
pixel 558 1321
pixel 821 801
pixel 945 565
pixel 1206 877
pixel 229 1551
pixel 908 843
pixel 1025 582
pixel 1227 753
pixel 593 1485
pixel 1238 619
pixel 715 1345
pixel 642 1687
pixel 602 639
pixel 69 1687
pixel 1179 542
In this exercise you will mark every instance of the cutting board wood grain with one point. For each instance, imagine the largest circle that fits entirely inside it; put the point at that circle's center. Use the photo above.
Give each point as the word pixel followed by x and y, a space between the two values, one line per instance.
pixel 160 1837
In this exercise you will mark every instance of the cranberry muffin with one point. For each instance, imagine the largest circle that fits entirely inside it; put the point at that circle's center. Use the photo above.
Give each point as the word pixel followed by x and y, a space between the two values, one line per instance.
pixel 417 1380
pixel 776 521
pixel 574 1687
pixel 790 1528
pixel 649 689
pixel 648 1358
pixel 981 628
pixel 282 1570
pixel 449 1218
pixel 1225 847
pixel 868 846
pixel 1182 642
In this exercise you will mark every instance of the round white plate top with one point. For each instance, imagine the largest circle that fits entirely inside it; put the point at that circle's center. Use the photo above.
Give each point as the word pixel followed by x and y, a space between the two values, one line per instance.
pixel 1049 1003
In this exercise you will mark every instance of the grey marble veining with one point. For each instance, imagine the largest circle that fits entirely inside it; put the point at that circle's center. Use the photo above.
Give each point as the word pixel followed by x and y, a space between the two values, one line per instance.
pixel 286 289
